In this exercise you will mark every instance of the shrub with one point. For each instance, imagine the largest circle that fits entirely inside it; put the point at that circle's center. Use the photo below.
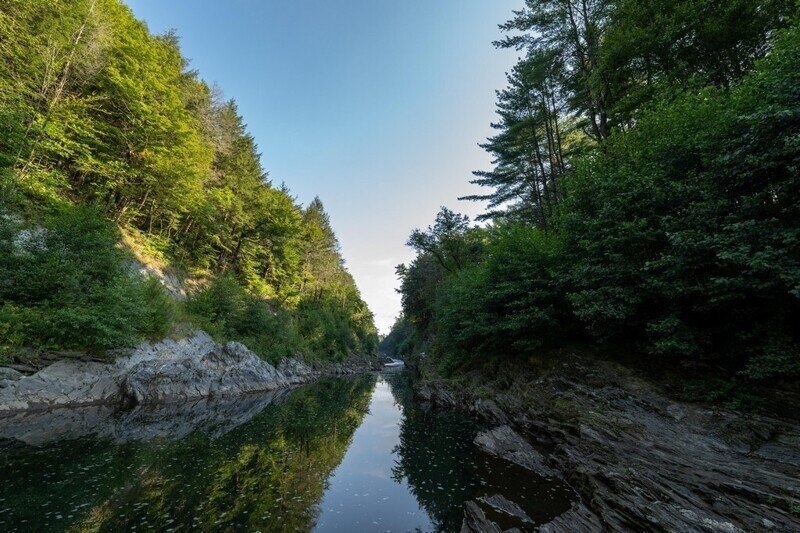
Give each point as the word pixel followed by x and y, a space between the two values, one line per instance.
pixel 230 313
pixel 64 285
pixel 319 328
pixel 511 303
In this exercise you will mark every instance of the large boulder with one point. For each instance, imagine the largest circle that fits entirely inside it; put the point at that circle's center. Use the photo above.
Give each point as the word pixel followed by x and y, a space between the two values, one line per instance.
pixel 224 370
pixel 62 383
pixel 167 371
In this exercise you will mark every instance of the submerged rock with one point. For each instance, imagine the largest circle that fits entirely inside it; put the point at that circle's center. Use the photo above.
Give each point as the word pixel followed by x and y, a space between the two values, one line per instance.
pixel 167 371
pixel 578 519
pixel 503 442
pixel 501 504
pixel 475 520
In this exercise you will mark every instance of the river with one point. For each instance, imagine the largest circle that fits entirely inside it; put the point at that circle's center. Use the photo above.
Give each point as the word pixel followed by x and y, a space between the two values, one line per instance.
pixel 342 454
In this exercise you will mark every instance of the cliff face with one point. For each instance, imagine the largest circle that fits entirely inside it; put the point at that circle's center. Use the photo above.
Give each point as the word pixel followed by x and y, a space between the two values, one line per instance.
pixel 638 459
pixel 163 372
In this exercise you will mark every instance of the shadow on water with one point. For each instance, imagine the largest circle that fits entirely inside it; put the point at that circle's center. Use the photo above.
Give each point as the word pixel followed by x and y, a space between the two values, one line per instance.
pixel 445 470
pixel 342 454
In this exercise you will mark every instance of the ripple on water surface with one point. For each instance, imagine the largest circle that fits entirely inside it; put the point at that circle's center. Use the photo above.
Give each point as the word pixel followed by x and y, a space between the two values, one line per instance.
pixel 343 454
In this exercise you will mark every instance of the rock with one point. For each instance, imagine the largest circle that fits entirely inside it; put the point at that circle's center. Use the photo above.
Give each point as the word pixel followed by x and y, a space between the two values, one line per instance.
pixel 295 371
pixel 490 411
pixel 475 520
pixel 500 503
pixel 643 461
pixel 579 519
pixel 226 370
pixel 424 392
pixel 503 442
pixel 9 374
pixel 62 383
pixel 172 280
pixel 168 371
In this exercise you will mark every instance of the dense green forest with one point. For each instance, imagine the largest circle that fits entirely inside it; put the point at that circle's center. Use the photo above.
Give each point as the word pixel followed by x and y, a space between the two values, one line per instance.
pixel 644 196
pixel 107 136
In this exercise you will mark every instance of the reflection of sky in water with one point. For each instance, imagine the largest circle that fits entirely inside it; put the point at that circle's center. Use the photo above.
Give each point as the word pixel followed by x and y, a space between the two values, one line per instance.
pixel 362 496
pixel 285 461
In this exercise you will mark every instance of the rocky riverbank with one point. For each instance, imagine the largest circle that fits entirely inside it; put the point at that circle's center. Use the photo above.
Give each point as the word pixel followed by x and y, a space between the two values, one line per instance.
pixel 639 460
pixel 168 371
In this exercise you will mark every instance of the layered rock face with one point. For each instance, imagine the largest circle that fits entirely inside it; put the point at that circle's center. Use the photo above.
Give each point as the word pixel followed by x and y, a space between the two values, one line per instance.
pixel 639 460
pixel 167 371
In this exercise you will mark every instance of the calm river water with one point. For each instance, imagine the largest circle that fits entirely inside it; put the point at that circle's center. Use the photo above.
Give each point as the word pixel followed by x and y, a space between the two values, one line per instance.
pixel 343 454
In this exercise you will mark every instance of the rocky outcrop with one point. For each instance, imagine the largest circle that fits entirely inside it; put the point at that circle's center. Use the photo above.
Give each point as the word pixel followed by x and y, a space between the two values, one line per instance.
pixel 504 443
pixel 577 520
pixel 8 375
pixel 475 520
pixel 173 280
pixel 221 370
pixel 60 384
pixel 639 460
pixel 167 371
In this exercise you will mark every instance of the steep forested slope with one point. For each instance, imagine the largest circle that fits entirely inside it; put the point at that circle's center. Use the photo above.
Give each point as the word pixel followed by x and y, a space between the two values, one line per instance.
pixel 105 129
pixel 644 195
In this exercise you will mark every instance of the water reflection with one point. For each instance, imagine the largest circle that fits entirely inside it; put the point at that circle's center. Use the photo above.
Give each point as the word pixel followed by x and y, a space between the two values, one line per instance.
pixel 344 454
pixel 267 473
pixel 436 455
pixel 364 493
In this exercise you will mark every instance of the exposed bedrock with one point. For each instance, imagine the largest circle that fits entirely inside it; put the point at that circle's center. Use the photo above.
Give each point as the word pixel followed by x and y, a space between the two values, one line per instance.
pixel 167 371
pixel 639 460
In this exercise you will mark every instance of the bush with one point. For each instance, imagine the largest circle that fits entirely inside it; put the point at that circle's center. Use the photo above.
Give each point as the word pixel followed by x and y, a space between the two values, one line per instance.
pixel 683 235
pixel 64 285
pixel 319 328
pixel 230 313
pixel 511 303
pixel 160 310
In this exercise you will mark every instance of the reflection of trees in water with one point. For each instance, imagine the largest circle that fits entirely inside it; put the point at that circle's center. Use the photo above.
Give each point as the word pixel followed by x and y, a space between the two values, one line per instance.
pixel 443 468
pixel 435 455
pixel 281 481
pixel 268 473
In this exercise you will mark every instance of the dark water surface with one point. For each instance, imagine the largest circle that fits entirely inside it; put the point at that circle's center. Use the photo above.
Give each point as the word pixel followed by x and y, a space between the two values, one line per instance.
pixel 343 454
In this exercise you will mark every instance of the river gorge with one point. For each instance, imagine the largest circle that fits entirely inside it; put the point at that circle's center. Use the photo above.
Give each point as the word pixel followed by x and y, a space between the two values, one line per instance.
pixel 354 453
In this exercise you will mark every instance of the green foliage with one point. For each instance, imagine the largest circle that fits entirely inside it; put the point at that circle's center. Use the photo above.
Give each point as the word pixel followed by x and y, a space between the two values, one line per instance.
pixel 229 312
pixel 678 234
pixel 160 311
pixel 401 341
pixel 319 329
pixel 65 285
pixel 684 234
pixel 445 248
pixel 96 110
pixel 513 302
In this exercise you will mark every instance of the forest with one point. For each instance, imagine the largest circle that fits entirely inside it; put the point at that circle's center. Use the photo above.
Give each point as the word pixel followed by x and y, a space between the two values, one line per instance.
pixel 113 148
pixel 644 197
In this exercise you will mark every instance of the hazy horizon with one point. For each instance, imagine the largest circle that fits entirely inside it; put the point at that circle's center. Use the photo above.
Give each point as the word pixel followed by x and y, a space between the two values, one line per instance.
pixel 375 107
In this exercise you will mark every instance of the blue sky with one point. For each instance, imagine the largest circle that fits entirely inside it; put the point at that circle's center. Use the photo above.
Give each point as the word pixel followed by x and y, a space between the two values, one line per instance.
pixel 376 106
